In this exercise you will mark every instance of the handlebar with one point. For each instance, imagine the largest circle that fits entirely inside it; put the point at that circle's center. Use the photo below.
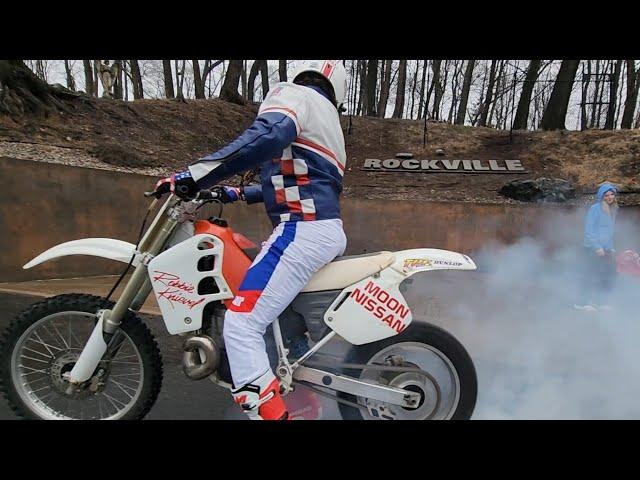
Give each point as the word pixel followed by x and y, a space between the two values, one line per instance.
pixel 212 194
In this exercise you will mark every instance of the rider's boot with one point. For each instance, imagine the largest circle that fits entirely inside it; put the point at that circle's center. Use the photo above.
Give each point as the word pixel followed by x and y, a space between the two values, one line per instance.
pixel 261 399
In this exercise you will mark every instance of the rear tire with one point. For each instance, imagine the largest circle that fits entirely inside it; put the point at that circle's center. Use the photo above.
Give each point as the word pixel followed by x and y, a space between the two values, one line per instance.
pixel 441 350
pixel 21 396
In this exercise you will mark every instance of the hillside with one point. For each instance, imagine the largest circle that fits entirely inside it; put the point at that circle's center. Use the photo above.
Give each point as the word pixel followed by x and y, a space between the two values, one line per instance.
pixel 156 137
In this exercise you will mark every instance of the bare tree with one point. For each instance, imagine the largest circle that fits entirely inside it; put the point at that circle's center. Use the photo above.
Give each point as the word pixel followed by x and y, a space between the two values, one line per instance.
pixel 422 87
pixel 197 79
pixel 282 70
pixel 168 79
pixel 385 86
pixel 89 85
pixel 522 113
pixel 229 90
pixel 633 85
pixel 71 83
pixel 362 67
pixel 613 91
pixel 264 75
pixel 180 76
pixel 372 79
pixel 484 111
pixel 556 111
pixel 136 80
pixel 436 86
pixel 253 73
pixel 464 97
pixel 402 80
pixel 117 85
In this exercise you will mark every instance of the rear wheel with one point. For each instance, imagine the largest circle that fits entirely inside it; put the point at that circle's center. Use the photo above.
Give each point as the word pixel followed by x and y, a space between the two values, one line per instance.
pixel 44 342
pixel 448 387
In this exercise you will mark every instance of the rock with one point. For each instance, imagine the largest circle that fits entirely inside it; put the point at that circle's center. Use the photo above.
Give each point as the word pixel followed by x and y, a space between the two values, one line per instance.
pixel 68 139
pixel 404 155
pixel 539 190
pixel 440 152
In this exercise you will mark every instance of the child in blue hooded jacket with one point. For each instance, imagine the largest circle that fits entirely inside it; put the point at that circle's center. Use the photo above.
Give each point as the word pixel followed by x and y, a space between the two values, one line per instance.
pixel 598 259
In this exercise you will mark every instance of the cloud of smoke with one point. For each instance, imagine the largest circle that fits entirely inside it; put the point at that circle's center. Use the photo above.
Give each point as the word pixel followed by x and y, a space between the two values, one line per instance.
pixel 536 356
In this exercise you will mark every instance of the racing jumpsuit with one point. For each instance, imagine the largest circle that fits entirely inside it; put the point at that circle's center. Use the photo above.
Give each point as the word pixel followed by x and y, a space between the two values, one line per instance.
pixel 298 142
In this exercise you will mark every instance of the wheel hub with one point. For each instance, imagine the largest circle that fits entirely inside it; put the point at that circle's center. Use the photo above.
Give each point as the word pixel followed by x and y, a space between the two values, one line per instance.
pixel 60 368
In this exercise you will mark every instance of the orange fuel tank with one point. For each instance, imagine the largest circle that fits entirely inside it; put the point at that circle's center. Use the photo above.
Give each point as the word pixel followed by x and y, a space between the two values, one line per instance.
pixel 235 262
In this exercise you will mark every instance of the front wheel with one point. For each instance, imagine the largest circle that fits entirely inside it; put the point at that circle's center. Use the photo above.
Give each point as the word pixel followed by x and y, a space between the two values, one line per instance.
pixel 448 388
pixel 44 342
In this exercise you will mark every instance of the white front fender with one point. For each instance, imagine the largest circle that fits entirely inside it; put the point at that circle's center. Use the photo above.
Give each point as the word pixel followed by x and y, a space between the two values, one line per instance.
pixel 98 247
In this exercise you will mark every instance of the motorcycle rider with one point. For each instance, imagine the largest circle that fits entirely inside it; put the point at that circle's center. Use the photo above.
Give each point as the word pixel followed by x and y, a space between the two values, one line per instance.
pixel 297 141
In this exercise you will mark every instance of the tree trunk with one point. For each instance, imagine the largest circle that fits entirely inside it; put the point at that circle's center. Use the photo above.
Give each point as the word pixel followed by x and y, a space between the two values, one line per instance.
pixel 498 89
pixel 372 80
pixel 464 97
pixel 633 85
pixel 253 73
pixel 484 115
pixel 229 90
pixel 282 70
pixel 117 85
pixel 197 79
pixel 243 77
pixel 362 91
pixel 613 92
pixel 96 79
pixel 556 111
pixel 586 78
pixel 264 75
pixel 88 77
pixel 522 113
pixel 402 80
pixel 436 86
pixel 180 70
pixel 138 91
pixel 592 122
pixel 413 87
pixel 422 86
pixel 385 85
pixel 168 79
pixel 71 83
pixel 21 91
pixel 601 94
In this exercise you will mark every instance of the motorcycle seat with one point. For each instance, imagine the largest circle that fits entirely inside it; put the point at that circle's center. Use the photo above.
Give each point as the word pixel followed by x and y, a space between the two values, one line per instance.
pixel 347 270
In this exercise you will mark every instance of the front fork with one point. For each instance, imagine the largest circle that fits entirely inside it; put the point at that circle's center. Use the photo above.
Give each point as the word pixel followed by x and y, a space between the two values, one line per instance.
pixel 103 337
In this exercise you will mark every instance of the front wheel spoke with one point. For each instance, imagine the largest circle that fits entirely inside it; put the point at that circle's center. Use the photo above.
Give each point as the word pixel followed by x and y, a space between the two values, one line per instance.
pixel 52 336
pixel 40 389
pixel 127 356
pixel 33 370
pixel 37 352
pixel 34 359
pixel 112 400
pixel 60 335
pixel 121 387
pixel 124 363
pixel 42 342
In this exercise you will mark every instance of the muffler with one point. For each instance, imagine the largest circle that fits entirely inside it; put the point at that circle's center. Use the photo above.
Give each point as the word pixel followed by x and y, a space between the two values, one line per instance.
pixel 201 357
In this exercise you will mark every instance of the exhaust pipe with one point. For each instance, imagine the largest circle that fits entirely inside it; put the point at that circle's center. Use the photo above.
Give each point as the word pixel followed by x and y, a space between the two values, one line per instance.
pixel 201 357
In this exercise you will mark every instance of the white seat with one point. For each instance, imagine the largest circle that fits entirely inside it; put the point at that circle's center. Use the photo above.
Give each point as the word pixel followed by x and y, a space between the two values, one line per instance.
pixel 345 271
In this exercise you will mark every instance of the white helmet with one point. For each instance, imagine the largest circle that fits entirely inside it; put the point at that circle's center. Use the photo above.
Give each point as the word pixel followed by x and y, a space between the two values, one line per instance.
pixel 332 70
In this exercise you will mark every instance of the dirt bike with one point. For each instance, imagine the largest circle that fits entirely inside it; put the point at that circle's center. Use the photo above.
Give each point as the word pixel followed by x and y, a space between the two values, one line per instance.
pixel 77 356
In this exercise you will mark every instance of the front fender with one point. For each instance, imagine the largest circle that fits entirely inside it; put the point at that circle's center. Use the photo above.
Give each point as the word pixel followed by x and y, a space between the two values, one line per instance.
pixel 98 247
pixel 410 262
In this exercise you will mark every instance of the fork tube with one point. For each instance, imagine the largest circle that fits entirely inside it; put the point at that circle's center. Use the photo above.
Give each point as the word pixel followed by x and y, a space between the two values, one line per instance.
pixel 139 277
